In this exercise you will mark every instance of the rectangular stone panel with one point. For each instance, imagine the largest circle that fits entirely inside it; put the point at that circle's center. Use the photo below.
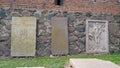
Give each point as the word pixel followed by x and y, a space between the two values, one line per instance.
pixel 59 36
pixel 23 36
pixel 97 36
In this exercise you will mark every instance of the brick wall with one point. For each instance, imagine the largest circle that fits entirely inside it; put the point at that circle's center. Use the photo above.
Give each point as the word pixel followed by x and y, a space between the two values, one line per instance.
pixel 100 6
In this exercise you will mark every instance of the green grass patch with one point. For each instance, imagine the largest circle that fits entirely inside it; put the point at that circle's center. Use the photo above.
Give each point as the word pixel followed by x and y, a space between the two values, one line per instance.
pixel 56 62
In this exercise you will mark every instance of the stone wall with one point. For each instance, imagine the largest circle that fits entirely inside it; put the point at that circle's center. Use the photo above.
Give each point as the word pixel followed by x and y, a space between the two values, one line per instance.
pixel 76 29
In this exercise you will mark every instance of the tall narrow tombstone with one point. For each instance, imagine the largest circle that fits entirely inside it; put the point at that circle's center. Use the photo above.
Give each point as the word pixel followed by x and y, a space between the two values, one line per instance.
pixel 23 36
pixel 59 36
pixel 97 36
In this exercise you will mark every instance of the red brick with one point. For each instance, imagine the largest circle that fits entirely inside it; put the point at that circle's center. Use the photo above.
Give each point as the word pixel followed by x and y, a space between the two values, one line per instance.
pixel 109 6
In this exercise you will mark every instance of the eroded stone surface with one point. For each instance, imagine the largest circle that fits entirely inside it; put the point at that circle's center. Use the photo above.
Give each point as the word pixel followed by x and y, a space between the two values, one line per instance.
pixel 97 36
pixel 59 44
pixel 23 37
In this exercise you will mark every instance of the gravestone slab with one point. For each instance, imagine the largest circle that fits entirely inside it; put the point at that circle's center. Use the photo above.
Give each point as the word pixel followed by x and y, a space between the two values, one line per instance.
pixel 97 36
pixel 90 63
pixel 23 36
pixel 59 44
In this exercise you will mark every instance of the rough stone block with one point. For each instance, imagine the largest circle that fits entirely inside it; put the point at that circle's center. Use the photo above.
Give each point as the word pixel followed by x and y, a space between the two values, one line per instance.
pixel 80 28
pixel 113 28
pixel 1 52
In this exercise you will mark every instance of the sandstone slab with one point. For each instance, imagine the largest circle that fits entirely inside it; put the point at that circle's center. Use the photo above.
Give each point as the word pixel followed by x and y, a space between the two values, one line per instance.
pixel 23 37
pixel 59 44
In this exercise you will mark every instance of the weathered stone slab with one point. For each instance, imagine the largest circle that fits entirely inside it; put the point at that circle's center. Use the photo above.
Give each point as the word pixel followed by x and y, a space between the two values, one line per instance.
pixel 90 63
pixel 23 36
pixel 97 36
pixel 59 36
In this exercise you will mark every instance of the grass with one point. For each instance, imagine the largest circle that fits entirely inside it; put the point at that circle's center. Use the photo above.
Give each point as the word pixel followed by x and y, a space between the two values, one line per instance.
pixel 56 62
